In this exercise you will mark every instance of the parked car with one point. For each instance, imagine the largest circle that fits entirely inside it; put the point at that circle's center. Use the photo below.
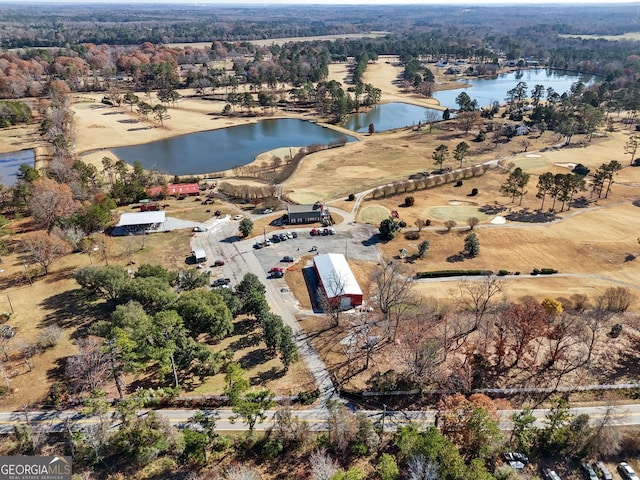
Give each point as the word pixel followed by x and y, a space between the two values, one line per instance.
pixel 283 237
pixel 257 245
pixel 603 470
pixel 238 217
pixel 314 231
pixel 219 282
pixel 275 238
pixel 268 210
pixel 277 274
pixel 287 258
pixel 550 474
pixel 325 231
pixel 626 471
pixel 267 242
pixel 332 231
pixel 314 249
pixel 218 263
pixel 276 269
pixel 199 229
pixel 516 456
pixel 289 235
pixel 591 473
pixel 294 234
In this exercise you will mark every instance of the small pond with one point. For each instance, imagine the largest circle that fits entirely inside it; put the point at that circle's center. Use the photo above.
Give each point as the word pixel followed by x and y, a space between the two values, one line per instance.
pixel 389 116
pixel 488 90
pixel 9 163
pixel 226 148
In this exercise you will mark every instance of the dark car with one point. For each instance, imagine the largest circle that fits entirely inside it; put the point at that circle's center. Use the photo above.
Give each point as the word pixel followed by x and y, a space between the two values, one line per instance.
pixel 257 246
pixel 283 237
pixel 275 238
pixel 287 258
pixel 218 263
pixel 219 282
pixel 277 274
pixel 295 234
pixel 325 231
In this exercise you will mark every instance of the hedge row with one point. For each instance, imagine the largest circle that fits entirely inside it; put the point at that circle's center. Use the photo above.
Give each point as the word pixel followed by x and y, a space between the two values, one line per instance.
pixel 452 273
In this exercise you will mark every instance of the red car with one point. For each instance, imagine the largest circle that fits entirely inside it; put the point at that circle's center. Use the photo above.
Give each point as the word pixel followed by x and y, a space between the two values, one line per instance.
pixel 315 231
pixel 277 270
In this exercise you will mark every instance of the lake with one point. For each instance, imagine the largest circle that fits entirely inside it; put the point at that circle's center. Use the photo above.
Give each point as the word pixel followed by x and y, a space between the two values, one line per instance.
pixel 9 163
pixel 226 148
pixel 488 90
pixel 389 116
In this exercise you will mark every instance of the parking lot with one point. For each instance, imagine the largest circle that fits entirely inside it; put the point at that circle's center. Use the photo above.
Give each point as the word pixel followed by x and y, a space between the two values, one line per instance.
pixel 357 241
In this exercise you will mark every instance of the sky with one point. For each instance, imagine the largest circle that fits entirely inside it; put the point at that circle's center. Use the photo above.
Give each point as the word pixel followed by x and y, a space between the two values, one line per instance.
pixel 336 2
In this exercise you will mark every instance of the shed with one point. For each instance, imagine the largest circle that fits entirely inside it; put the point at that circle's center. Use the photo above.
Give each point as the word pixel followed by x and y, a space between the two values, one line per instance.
pixel 199 254
pixel 139 222
pixel 337 280
pixel 309 213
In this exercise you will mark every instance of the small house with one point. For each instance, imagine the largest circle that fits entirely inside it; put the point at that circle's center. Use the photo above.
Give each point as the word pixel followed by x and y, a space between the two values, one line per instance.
pixel 309 213
pixel 199 255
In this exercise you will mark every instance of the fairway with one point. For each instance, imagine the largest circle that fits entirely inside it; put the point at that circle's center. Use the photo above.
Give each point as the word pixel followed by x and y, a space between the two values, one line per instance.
pixel 458 213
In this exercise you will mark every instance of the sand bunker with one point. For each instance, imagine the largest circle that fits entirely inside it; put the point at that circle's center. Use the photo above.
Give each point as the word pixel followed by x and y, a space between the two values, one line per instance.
pixel 461 202
pixel 532 155
pixel 498 220
pixel 566 165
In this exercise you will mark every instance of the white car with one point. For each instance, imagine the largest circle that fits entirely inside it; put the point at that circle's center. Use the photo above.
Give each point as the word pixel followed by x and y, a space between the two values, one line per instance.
pixel 268 210
pixel 237 217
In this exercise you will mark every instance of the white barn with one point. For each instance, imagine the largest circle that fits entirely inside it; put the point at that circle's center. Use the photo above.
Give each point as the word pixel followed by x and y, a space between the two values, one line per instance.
pixel 337 280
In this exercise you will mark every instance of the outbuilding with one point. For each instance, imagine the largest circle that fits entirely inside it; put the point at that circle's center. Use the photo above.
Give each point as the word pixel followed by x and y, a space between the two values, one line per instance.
pixel 337 280
pixel 174 190
pixel 199 254
pixel 139 223
pixel 309 213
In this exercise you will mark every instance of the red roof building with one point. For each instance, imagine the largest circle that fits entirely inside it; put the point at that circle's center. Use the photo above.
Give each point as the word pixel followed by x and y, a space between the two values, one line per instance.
pixel 175 189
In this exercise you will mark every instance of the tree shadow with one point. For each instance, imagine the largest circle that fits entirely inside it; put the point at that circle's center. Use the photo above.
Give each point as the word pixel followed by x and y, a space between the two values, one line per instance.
pixel 244 326
pixel 372 240
pixel 627 365
pixel 73 309
pixel 57 371
pixel 246 341
pixel 274 373
pixel 253 358
pixel 458 257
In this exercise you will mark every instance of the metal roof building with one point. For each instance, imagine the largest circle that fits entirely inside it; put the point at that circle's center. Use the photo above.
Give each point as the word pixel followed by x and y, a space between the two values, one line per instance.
pixel 139 222
pixel 310 213
pixel 337 280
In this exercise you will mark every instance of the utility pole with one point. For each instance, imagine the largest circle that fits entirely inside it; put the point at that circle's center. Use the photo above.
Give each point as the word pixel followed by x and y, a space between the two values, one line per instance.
pixel 384 414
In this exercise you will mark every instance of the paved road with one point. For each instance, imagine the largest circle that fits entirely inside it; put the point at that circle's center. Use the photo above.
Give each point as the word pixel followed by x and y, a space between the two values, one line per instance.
pixel 221 241
pixel 623 415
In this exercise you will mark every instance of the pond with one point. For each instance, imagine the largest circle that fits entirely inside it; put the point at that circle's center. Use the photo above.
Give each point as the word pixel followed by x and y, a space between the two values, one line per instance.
pixel 488 90
pixel 389 116
pixel 9 163
pixel 226 148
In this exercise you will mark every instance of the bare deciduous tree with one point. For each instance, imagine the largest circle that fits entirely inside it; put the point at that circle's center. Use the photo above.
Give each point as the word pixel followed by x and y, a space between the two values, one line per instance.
pixel 44 249
pixel 421 468
pixel 395 295
pixel 90 368
pixel 242 472
pixel 323 467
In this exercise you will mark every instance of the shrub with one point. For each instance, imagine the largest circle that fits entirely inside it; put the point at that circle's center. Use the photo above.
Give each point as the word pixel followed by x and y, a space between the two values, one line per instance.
pixel 458 183
pixel 427 222
pixel 351 197
pixel 402 224
pixel 49 337
pixel 548 271
pixel 617 299
pixel 502 273
pixel 474 192
pixel 452 273
pixel 308 397
pixel 481 137
pixel 616 330
pixel 449 224
pixel 412 235
pixel 409 201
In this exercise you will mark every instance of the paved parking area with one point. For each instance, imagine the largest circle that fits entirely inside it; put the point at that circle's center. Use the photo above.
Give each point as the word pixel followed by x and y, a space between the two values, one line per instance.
pixel 353 241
